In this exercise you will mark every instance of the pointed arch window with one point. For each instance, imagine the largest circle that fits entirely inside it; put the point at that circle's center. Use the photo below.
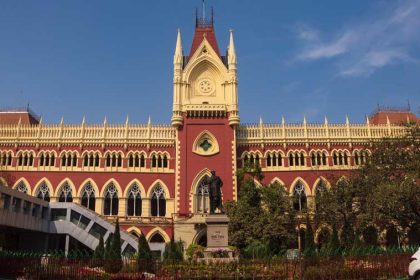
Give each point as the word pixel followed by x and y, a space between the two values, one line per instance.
pixel 203 197
pixel 66 193
pixel 111 200
pixel 268 159
pixel 22 187
pixel 153 161
pixel 43 192
pixel 157 238
pixel 299 197
pixel 88 197
pixel 134 201
pixel 158 202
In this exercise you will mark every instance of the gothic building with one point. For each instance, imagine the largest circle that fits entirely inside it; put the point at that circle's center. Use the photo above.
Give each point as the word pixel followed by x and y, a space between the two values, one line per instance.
pixel 151 177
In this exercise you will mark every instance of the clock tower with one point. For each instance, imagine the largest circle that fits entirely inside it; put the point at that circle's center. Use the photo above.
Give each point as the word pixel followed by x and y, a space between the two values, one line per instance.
pixel 205 113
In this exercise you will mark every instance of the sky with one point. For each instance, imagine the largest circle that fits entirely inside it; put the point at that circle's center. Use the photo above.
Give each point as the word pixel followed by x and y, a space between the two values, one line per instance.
pixel 298 58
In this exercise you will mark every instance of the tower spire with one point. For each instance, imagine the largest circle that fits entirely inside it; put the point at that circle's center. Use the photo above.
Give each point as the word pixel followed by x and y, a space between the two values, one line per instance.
pixel 231 51
pixel 178 49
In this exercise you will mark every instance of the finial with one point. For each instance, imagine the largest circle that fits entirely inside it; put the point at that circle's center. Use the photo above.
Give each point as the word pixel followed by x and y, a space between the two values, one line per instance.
pixel 40 120
pixel 304 119
pixel 126 120
pixel 231 50
pixel 282 119
pixel 84 119
pixel 105 120
pixel 325 119
pixel 261 121
pixel 408 119
pixel 367 119
pixel 387 120
pixel 62 120
pixel 149 122
pixel 20 121
pixel 347 119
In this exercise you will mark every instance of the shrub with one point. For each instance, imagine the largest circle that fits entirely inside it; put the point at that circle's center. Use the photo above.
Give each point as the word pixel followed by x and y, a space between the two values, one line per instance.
pixel 194 251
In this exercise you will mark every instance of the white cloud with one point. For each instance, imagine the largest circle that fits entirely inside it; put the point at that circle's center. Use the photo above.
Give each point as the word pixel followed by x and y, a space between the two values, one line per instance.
pixel 363 48
pixel 332 49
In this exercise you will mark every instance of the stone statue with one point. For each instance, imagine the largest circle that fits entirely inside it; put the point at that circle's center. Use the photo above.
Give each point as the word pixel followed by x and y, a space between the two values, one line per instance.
pixel 215 184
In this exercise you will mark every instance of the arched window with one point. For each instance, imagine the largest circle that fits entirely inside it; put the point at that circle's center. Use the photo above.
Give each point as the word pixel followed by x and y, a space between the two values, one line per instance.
pixel 291 157
pixel 299 197
pixel 153 161
pixel 324 159
pixel 159 161
pixel 158 202
pixel 108 160
pixel 41 160
pixel 165 161
pixel 88 197
pixel 313 159
pixel 22 187
pixel 335 159
pixel 356 158
pixel 134 201
pixel 203 199
pixel 157 238
pixel 268 159
pixel 131 161
pixel 86 160
pixel 43 192
pixel 302 159
pixel 142 161
pixel 119 160
pixel 111 200
pixel 65 193
pixel 96 160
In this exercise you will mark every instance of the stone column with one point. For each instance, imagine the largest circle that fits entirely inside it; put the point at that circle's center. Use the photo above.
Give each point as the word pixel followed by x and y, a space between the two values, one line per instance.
pixel 99 205
pixel 145 211
pixel 122 206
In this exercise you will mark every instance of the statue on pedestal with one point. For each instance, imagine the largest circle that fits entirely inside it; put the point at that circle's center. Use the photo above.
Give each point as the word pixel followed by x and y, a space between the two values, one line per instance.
pixel 215 184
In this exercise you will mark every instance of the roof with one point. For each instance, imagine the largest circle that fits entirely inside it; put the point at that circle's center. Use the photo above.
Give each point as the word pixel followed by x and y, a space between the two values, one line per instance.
pixel 204 28
pixel 395 116
pixel 13 115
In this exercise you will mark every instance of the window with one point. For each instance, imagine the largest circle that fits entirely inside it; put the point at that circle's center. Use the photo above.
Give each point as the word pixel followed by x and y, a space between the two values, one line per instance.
pixel 46 159
pixel 134 201
pixel 88 197
pixel 78 219
pixel 26 207
pixel 340 158
pixel 111 200
pixel 25 159
pixel 43 192
pixel 203 198
pixel 65 193
pixel 58 214
pixel 318 159
pixel 16 204
pixel 299 197
pixel 97 230
pixel 157 238
pixel 70 159
pixel 114 160
pixel 158 203
pixel 5 159
pixel 90 159
pixel 22 187
pixel 5 200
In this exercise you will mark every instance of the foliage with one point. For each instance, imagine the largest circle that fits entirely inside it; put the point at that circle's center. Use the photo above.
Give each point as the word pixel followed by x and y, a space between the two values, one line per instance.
pixel 261 214
pixel 173 251
pixel 144 255
pixel 113 259
pixel 309 239
pixel 385 191
pixel 194 251
pixel 257 250
pixel 99 252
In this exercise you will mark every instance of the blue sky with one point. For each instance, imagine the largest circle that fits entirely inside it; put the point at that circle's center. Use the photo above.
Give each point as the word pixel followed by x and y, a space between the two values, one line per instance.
pixel 295 58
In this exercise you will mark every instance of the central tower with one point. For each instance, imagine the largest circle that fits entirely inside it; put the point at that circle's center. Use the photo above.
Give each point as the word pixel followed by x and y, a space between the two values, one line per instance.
pixel 205 113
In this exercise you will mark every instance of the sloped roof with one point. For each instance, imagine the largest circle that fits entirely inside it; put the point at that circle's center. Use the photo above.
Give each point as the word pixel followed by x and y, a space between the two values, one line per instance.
pixel 12 116
pixel 202 31
pixel 394 116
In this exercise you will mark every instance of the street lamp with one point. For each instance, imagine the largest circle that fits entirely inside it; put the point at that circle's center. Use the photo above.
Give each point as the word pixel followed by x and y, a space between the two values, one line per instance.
pixel 299 189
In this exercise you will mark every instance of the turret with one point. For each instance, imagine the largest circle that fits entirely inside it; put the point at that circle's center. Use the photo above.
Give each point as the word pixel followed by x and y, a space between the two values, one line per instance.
pixel 231 53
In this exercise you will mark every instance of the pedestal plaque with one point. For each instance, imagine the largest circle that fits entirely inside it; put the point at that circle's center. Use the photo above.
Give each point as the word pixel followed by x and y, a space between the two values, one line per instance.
pixel 217 234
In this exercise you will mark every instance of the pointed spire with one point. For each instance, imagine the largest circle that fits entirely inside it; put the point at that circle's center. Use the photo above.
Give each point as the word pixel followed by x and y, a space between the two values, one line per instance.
pixel 84 119
pixel 105 121
pixel 261 121
pixel 282 119
pixel 367 120
pixel 325 120
pixel 40 120
pixel 304 119
pixel 231 50
pixel 149 122
pixel 178 56
pixel 20 121
pixel 126 120
pixel 387 120
pixel 408 119
pixel 62 120
pixel 347 120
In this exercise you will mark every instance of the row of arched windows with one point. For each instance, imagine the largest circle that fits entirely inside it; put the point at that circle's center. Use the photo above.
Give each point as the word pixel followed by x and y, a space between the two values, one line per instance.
pixel 90 159
pixel 298 158
pixel 111 198
pixel 5 158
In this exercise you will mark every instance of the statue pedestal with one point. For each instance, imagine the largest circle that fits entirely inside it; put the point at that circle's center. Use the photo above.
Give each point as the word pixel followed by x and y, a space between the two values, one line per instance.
pixel 217 236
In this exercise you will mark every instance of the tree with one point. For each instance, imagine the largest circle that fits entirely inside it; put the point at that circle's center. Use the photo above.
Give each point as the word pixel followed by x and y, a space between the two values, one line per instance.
pixel 334 243
pixel 173 251
pixel 309 238
pixel 99 253
pixel 113 257
pixel 144 254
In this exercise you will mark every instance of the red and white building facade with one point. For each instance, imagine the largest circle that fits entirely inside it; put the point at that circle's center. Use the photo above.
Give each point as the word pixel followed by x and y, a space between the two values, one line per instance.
pixel 150 176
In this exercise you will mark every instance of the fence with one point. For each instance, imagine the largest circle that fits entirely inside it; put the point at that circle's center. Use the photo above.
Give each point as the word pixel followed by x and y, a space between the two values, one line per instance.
pixel 337 267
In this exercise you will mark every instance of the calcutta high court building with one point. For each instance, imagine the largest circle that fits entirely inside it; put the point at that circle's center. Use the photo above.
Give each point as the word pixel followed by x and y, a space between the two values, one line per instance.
pixel 151 177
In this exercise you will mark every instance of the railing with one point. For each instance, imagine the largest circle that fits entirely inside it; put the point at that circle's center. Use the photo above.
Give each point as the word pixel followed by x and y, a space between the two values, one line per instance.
pixel 86 134
pixel 267 133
